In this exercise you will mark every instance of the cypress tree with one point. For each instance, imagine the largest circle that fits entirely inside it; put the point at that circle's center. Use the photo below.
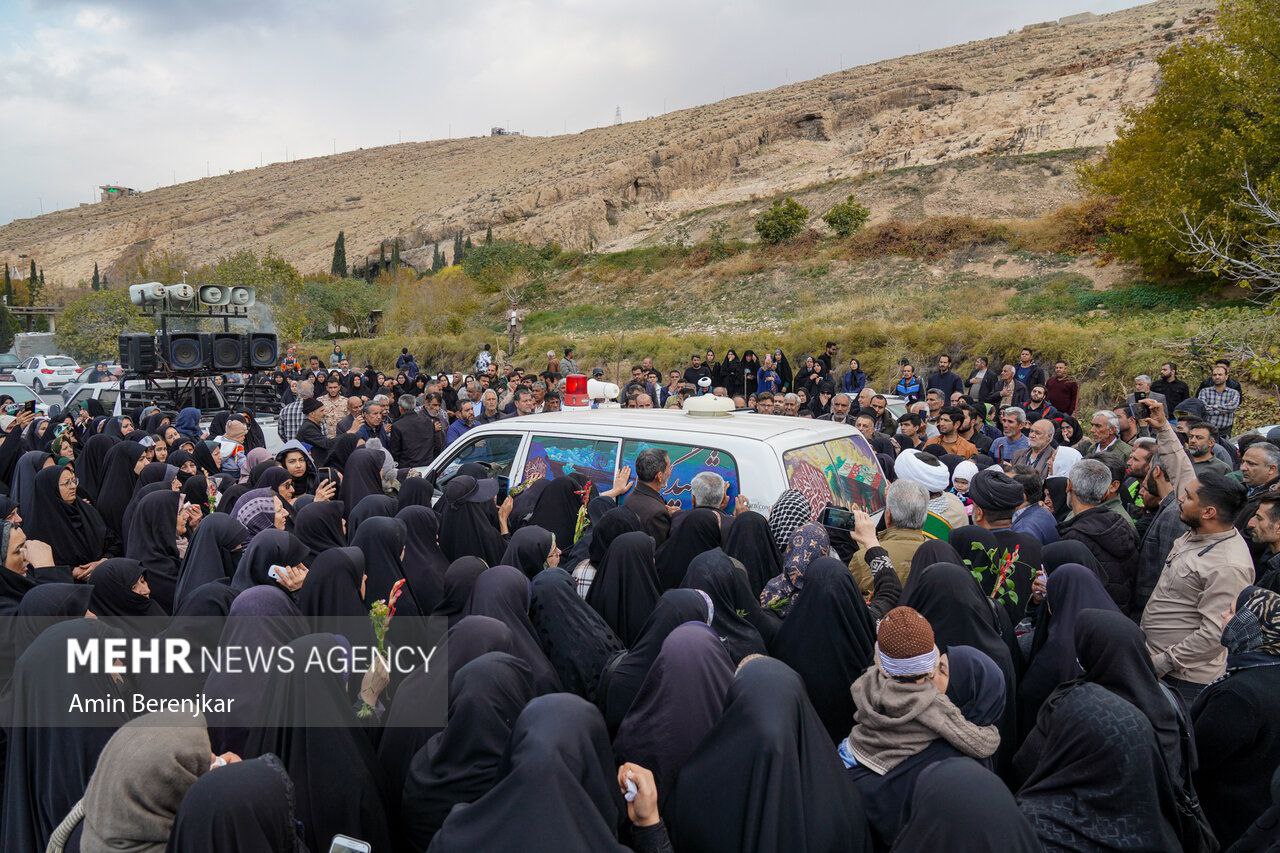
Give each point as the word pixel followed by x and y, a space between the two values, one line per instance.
pixel 93 285
pixel 31 276
pixel 339 267
pixel 488 235
pixel 8 285
pixel 437 262
pixel 382 256
pixel 467 247
pixel 103 286
pixel 395 254
pixel 457 248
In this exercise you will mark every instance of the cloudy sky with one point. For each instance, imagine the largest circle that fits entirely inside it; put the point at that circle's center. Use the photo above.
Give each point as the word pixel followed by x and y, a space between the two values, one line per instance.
pixel 146 92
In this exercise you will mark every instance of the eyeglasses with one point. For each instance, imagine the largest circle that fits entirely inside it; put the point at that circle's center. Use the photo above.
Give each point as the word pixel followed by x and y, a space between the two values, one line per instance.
pixel 72 483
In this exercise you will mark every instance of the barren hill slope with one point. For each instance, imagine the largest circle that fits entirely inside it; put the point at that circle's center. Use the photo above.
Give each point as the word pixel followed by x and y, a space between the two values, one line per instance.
pixel 1041 89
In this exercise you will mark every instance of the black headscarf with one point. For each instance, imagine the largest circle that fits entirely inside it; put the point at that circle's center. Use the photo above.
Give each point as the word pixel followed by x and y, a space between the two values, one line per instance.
pixel 975 685
pixel 48 766
pixel 45 605
pixel 361 477
pixel 528 549
pixel 382 541
pixel 558 506
pixel 1071 589
pixel 310 725
pixel 330 598
pixel 1100 783
pixel 612 524
pixel 422 699
pixel 931 551
pixel 766 777
pixel 621 682
pixel 625 588
pixel 261 618
pixel 118 481
pixel 575 639
pixel 715 574
pixel 75 531
pixel 697 533
pixel 91 464
pixel 424 564
pixel 153 542
pixel 319 526
pixel 22 481
pixel 199 619
pixel 155 472
pixel 250 807
pixel 459 579
pixel 415 491
pixel 463 762
pixel 960 806
pixel 1057 489
pixel 680 700
pixel 212 555
pixel 371 506
pixel 750 542
pixel 466 531
pixel 961 615
pixel 343 446
pixel 115 603
pixel 560 777
pixel 268 548
pixel 1066 551
pixel 132 509
pixel 502 592
pixel 596 509
pixel 829 639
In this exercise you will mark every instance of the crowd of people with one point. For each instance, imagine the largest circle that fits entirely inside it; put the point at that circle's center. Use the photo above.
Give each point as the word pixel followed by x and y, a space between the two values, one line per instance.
pixel 1057 637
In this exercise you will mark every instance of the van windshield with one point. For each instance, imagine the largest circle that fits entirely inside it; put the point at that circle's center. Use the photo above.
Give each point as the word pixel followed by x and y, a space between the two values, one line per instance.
pixel 841 471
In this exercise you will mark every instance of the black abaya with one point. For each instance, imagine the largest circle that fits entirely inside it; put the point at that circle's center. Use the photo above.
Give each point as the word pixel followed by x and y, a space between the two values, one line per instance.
pixel 247 807
pixel 382 541
pixel 309 724
pixel 319 526
pixel 750 542
pixel 75 531
pixel 269 548
pixel 459 579
pixel 118 481
pixel 424 564
pixel 625 588
pixel 115 603
pixel 462 763
pixel 502 592
pixel 715 574
pixel 153 542
pixel 212 555
pixel 961 807
pixel 91 464
pixel 371 506
pixel 766 777
pixel 577 642
pixel 415 491
pixel 466 531
pixel 528 550
pixel 558 507
pixel 361 477
pixel 330 597
pixel 698 533
pixel 559 792
pixel 829 639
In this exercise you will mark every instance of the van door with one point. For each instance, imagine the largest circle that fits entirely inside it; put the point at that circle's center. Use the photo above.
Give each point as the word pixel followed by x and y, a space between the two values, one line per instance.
pixel 552 456
pixel 687 461
pixel 496 451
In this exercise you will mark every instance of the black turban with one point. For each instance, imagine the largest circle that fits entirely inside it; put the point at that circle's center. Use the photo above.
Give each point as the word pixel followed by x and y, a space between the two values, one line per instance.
pixel 995 491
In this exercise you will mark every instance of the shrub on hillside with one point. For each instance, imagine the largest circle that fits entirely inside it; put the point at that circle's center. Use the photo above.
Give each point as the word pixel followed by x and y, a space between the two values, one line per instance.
pixel 89 326
pixel 925 238
pixel 782 221
pixel 847 217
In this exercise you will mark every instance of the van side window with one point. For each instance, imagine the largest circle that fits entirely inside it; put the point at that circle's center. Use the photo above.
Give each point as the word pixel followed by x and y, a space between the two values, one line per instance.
pixel 686 461
pixel 497 452
pixel 552 456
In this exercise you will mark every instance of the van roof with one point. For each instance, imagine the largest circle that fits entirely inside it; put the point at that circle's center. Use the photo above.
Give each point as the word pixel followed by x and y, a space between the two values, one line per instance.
pixel 745 424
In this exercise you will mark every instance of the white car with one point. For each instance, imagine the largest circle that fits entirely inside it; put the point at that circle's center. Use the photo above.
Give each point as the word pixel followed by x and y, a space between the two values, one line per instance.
pixel 21 395
pixel 42 372
pixel 759 456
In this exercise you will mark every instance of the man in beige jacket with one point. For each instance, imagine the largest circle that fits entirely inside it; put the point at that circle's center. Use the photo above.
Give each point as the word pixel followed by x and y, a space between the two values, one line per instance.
pixel 1203 575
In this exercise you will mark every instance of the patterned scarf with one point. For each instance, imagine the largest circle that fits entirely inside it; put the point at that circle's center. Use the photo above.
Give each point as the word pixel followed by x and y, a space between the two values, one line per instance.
pixel 789 511
pixel 1256 626
pixel 807 544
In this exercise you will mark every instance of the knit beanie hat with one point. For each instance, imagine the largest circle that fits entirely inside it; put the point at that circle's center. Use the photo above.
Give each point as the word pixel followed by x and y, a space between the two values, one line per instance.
pixel 905 645
pixel 310 404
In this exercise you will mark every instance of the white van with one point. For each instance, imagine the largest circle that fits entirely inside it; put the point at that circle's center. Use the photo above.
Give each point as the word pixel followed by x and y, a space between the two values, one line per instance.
pixel 758 455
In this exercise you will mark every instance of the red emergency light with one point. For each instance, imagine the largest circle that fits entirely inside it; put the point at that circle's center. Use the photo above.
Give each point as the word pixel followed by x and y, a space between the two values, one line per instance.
pixel 575 391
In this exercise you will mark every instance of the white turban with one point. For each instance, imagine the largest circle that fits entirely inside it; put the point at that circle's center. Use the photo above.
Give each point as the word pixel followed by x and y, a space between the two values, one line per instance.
pixel 915 465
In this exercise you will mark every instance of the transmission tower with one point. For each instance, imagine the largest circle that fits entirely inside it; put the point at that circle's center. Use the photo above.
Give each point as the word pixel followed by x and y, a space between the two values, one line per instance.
pixel 617 115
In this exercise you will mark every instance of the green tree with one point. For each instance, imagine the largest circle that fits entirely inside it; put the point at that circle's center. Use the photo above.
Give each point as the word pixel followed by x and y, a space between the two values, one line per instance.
pixel 96 282
pixel 503 263
pixel 467 247
pixel 345 303
pixel 8 328
pixel 847 217
pixel 8 285
pixel 382 256
pixel 395 254
pixel 488 235
pixel 89 325
pixel 782 221
pixel 33 282
pixel 1182 159
pixel 339 266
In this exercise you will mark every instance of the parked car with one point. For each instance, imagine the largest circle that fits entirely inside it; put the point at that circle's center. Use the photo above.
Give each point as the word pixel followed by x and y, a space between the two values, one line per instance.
pixel 21 394
pixel 758 456
pixel 43 372
pixel 136 394
pixel 8 363
pixel 86 376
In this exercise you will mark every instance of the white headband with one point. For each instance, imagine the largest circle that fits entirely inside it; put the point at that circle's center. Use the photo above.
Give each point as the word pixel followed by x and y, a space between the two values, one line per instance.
pixel 916 666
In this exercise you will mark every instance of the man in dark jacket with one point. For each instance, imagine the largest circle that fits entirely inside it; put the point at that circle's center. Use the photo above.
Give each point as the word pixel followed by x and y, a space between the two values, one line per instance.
pixel 1028 372
pixel 1173 388
pixel 416 437
pixel 944 380
pixel 653 467
pixel 311 433
pixel 1106 533
pixel 1260 471
pixel 1007 390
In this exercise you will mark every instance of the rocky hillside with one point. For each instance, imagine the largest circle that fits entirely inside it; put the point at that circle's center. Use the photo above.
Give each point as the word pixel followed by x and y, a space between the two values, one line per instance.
pixel 1045 88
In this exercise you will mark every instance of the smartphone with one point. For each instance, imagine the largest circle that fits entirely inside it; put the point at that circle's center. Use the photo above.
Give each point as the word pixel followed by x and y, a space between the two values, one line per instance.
pixel 840 519
pixel 276 573
pixel 347 844
pixel 29 406
pixel 1139 395
pixel 326 474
